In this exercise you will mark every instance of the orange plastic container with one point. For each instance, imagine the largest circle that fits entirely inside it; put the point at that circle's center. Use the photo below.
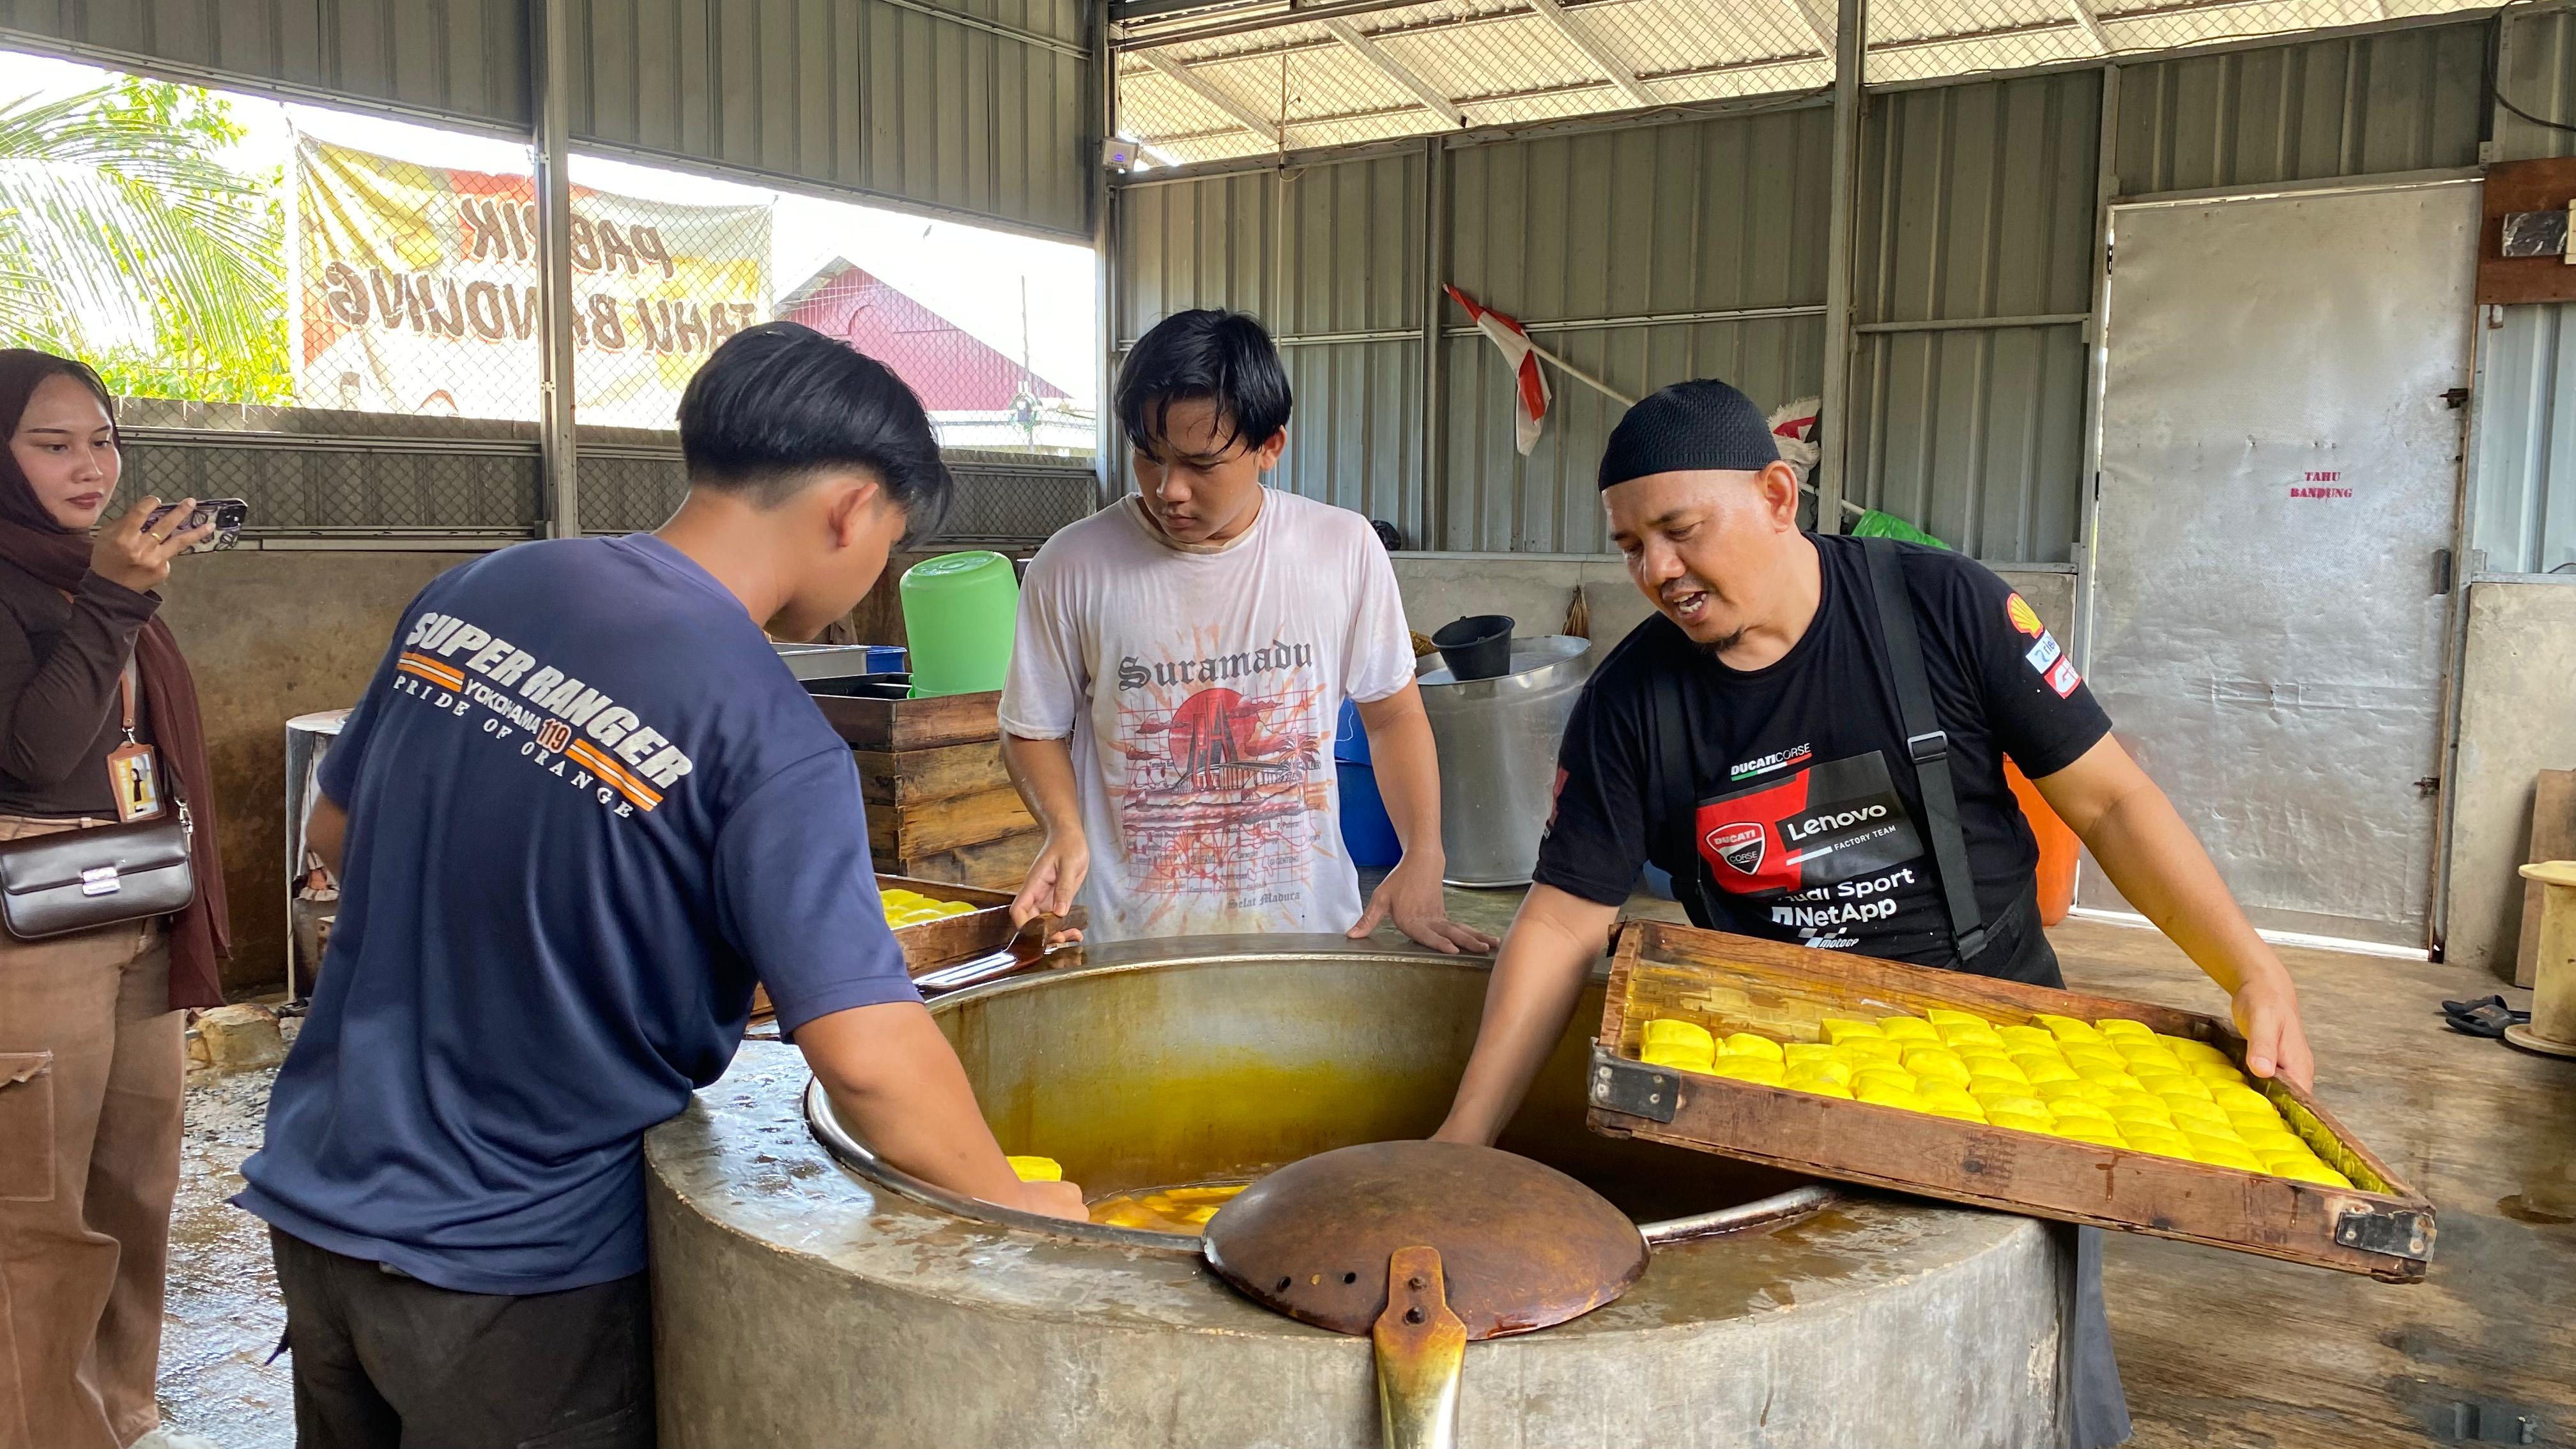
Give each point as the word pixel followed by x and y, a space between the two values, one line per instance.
pixel 2057 848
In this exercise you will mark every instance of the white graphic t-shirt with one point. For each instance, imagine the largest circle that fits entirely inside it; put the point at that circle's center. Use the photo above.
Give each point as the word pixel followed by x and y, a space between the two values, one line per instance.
pixel 1200 688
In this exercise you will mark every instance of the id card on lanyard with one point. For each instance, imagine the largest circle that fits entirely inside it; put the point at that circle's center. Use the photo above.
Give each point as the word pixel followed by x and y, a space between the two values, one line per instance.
pixel 133 774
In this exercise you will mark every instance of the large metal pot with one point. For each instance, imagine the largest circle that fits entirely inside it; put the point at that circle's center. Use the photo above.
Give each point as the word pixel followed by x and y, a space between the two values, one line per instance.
pixel 1498 740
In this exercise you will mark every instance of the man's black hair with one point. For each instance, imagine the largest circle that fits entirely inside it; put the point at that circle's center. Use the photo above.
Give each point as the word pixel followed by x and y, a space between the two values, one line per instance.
pixel 780 401
pixel 1223 356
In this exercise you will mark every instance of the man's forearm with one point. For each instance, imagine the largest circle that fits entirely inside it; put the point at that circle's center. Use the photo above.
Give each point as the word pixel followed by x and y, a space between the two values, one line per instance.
pixel 1042 771
pixel 1538 977
pixel 1407 763
pixel 896 1082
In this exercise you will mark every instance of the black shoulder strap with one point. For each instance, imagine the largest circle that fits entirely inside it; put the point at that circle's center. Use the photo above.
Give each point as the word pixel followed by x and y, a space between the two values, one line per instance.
pixel 1926 745
pixel 1677 798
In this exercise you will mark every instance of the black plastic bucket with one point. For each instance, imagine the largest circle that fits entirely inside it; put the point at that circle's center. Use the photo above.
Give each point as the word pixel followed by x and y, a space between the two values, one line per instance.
pixel 1476 647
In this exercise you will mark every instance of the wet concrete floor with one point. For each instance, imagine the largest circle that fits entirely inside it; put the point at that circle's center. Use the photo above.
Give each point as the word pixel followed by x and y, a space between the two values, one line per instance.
pixel 2218 1349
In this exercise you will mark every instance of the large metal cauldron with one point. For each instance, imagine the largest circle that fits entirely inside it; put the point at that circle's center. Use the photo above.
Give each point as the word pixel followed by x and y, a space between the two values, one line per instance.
pixel 1497 740
pixel 804 1301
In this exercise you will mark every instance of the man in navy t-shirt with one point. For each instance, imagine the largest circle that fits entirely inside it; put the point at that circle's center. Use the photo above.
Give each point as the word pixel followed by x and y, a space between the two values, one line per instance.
pixel 585 808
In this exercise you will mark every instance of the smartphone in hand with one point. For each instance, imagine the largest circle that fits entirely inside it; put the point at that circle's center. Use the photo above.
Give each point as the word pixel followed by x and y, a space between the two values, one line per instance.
pixel 227 515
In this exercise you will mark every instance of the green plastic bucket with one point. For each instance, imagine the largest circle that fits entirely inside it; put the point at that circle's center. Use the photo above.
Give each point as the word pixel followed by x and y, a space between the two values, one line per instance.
pixel 959 610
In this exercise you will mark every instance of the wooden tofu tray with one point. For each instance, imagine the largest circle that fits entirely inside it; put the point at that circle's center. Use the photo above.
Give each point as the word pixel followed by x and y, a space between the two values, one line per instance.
pixel 883 717
pixel 933 945
pixel 1728 983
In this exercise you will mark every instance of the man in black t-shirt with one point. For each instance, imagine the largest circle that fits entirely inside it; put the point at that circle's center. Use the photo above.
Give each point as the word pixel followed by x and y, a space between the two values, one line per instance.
pixel 1751 740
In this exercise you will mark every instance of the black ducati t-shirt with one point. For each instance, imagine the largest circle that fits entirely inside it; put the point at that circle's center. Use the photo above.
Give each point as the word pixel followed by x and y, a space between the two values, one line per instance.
pixel 1807 816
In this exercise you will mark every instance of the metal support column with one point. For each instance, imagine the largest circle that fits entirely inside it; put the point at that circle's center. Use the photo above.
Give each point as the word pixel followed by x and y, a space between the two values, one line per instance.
pixel 1435 308
pixel 1851 50
pixel 1104 250
pixel 550 71
pixel 2106 185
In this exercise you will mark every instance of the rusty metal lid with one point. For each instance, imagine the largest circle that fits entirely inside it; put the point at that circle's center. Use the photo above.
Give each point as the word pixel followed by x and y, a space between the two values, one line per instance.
pixel 1524 1246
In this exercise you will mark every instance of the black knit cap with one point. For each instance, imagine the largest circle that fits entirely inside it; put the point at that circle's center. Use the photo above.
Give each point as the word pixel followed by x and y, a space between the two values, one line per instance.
pixel 1698 426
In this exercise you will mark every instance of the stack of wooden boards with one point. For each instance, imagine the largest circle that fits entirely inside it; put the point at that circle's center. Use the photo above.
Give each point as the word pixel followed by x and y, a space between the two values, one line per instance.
pixel 940 803
pixel 2123 1163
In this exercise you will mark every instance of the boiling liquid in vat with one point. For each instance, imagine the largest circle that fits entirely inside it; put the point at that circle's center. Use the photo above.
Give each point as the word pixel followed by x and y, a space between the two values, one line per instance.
pixel 1184 1209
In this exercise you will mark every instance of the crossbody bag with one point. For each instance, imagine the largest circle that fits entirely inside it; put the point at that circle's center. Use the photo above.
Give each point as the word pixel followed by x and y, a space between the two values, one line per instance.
pixel 78 880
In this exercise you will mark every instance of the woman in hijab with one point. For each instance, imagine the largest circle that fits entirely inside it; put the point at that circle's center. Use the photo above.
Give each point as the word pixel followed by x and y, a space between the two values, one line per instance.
pixel 92 1056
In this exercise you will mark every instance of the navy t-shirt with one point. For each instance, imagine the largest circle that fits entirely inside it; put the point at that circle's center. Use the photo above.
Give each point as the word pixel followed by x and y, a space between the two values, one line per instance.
pixel 588 807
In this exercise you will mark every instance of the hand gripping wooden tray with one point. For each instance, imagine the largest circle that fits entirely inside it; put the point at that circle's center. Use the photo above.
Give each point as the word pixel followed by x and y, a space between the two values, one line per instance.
pixel 1726 983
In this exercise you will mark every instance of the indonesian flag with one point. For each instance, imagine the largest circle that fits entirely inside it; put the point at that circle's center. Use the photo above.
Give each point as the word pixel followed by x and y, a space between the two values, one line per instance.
pixel 1530 398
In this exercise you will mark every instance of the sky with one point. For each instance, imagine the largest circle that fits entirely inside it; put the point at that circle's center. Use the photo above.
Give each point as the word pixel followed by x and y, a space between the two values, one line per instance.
pixel 964 273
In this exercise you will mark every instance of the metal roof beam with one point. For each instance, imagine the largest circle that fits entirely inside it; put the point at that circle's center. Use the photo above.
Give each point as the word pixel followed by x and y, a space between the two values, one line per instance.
pixel 1394 70
pixel 1236 111
pixel 2091 24
pixel 1593 51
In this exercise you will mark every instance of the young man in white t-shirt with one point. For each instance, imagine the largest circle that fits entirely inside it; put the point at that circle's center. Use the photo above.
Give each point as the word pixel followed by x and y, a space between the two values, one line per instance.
pixel 1181 663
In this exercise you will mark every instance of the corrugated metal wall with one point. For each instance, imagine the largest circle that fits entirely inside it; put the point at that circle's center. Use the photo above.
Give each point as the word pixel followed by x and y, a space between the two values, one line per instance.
pixel 989 120
pixel 2536 72
pixel 973 106
pixel 465 59
pixel 2406 100
pixel 1976 206
pixel 1585 237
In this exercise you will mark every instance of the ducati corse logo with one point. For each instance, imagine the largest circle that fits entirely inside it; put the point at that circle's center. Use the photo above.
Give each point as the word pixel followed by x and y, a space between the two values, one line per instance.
pixel 1739 844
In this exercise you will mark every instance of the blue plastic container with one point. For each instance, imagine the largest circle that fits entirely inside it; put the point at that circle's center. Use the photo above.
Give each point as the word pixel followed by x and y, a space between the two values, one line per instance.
pixel 885 658
pixel 1350 738
pixel 1366 832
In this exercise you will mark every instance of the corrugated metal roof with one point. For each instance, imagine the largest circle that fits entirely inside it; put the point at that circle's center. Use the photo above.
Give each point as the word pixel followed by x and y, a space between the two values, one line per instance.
pixel 1232 80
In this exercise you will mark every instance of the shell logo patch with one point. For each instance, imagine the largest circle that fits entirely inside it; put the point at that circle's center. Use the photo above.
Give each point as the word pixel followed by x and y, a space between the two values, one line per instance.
pixel 2024 617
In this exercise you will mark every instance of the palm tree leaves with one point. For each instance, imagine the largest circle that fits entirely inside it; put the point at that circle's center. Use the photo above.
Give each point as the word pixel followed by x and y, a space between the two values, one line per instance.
pixel 125 240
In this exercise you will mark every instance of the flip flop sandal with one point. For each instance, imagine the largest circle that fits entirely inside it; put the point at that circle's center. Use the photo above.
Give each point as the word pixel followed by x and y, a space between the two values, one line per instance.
pixel 2486 1018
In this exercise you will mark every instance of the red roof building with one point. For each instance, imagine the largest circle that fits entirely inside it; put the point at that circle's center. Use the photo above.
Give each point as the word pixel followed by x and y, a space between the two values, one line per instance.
pixel 943 362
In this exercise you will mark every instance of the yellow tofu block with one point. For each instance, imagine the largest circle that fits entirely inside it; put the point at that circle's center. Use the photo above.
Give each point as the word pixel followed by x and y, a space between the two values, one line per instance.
pixel 1672 1031
pixel 1883 1079
pixel 1838 1073
pixel 2129 1116
pixel 1036 1169
pixel 1941 1016
pixel 2188 1111
pixel 1889 1097
pixel 1678 1058
pixel 2316 1172
pixel 1985 1084
pixel 2067 1028
pixel 2043 1069
pixel 2023 1036
pixel 2073 1109
pixel 2171 1087
pixel 1907 1028
pixel 2140 1053
pixel 1937 1064
pixel 1971 1050
pixel 2114 1078
pixel 2227 1156
pixel 2083 1053
pixel 1968 1113
pixel 2008 1102
pixel 2237 1097
pixel 1796 1052
pixel 1817 1086
pixel 1874 1048
pixel 1838 1029
pixel 2133 1097
pixel 1760 1070
pixel 2190 1050
pixel 2100 1134
pixel 1932 1090
pixel 2059 1091
pixel 2162 1141
pixel 2122 1026
pixel 1967 1038
pixel 1746 1044
pixel 2217 1074
pixel 2021 1121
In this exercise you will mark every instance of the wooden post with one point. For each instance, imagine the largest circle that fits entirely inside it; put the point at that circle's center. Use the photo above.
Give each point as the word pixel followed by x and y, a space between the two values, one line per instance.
pixel 2552 1028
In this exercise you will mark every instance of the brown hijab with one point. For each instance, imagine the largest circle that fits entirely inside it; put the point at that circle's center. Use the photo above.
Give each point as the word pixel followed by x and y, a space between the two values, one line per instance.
pixel 29 538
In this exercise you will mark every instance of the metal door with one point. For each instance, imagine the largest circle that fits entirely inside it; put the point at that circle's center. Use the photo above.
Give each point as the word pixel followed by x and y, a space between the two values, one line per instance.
pixel 2269 579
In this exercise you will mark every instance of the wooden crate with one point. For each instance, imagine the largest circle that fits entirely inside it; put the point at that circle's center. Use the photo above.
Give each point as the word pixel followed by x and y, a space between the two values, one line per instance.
pixel 1001 865
pixel 882 722
pixel 933 945
pixel 1727 983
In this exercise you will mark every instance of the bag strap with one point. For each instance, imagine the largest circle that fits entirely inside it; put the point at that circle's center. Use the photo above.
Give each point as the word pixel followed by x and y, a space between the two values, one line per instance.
pixel 125 686
pixel 1927 746
pixel 1677 801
